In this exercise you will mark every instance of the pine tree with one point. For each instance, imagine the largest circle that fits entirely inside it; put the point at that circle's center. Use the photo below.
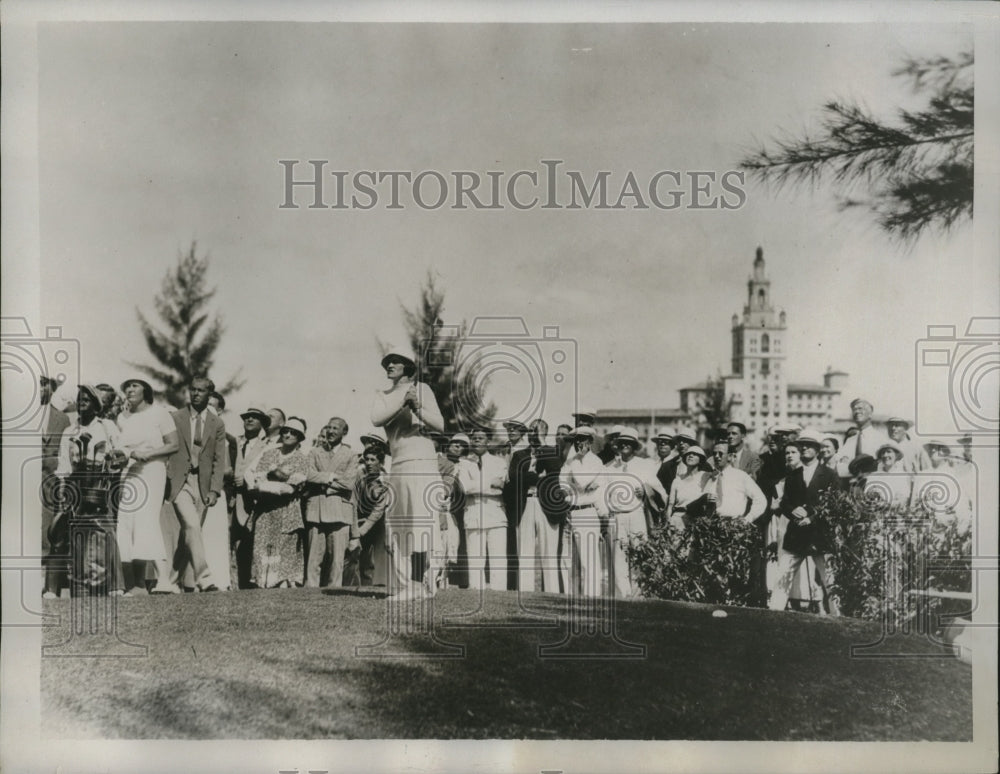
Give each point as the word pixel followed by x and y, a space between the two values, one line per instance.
pixel 180 353
pixel 458 385
pixel 918 173
pixel 712 410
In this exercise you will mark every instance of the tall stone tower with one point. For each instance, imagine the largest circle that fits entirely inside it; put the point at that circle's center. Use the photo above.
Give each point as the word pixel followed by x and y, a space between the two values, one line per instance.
pixel 758 363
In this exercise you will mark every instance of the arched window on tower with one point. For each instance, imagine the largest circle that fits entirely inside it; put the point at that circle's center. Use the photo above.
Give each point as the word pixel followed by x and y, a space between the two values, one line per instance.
pixel 765 343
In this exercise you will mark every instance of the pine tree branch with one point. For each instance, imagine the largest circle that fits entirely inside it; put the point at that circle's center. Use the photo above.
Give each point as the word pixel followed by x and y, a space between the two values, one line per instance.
pixel 901 165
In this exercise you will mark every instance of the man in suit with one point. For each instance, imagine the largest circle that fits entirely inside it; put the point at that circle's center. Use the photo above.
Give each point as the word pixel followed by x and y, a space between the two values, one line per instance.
pixel 551 510
pixel 746 459
pixel 665 456
pixel 216 532
pixel 519 479
pixel 52 424
pixel 536 537
pixel 331 523
pixel 195 477
pixel 805 536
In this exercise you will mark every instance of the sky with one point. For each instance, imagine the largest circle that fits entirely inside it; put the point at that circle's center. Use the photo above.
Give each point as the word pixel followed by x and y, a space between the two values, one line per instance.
pixel 152 136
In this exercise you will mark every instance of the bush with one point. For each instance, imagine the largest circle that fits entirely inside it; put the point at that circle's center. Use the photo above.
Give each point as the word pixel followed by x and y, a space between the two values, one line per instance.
pixel 707 562
pixel 881 554
pixel 884 553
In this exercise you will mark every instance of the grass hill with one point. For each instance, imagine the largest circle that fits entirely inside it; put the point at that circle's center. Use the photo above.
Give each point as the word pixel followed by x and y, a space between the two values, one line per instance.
pixel 282 664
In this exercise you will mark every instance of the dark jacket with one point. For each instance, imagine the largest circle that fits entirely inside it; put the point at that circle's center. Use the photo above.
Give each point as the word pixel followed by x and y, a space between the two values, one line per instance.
pixel 810 539
pixel 520 478
pixel 550 496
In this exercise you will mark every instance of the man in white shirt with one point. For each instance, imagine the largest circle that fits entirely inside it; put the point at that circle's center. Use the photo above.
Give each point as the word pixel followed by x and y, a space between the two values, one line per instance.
pixel 866 440
pixel 735 494
pixel 481 476
pixel 587 417
pixel 583 478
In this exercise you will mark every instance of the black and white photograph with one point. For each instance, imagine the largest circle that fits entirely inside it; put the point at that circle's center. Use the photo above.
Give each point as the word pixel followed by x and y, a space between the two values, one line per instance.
pixel 493 388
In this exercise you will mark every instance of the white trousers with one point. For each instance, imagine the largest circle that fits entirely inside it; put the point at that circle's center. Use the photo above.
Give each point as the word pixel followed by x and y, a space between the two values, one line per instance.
pixel 624 526
pixel 585 526
pixel 788 567
pixel 538 548
pixel 487 544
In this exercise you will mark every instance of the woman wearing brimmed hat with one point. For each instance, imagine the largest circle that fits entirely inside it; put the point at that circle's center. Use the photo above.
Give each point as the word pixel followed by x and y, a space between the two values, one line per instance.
pixel 632 496
pixel 278 526
pixel 583 478
pixel 687 493
pixel 914 457
pixel 149 437
pixel 891 482
pixel 406 410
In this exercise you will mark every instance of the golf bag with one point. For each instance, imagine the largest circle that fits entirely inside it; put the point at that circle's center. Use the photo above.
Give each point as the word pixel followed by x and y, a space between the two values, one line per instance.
pixel 84 526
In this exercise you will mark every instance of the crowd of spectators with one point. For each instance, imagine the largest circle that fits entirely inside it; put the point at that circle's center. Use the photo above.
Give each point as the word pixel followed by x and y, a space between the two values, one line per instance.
pixel 168 501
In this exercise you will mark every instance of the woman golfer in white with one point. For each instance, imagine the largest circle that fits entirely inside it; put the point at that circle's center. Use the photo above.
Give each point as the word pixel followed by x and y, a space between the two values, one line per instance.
pixel 407 410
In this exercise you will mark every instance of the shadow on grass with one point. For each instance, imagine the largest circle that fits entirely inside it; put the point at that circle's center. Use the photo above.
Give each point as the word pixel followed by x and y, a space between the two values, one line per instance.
pixel 283 665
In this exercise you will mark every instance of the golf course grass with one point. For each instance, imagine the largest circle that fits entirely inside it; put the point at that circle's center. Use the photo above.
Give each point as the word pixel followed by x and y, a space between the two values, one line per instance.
pixel 283 664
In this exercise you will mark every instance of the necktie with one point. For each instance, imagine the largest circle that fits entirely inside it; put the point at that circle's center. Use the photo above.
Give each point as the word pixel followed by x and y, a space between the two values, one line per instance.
pixel 857 448
pixel 197 431
pixel 479 462
pixel 246 443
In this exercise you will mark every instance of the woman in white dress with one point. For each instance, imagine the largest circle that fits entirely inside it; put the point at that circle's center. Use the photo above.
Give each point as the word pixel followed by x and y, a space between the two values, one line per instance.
pixel 149 436
pixel 406 411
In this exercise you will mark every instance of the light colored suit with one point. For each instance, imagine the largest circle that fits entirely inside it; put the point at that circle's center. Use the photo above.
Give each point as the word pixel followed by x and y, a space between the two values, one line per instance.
pixel 193 472
pixel 330 518
pixel 748 461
